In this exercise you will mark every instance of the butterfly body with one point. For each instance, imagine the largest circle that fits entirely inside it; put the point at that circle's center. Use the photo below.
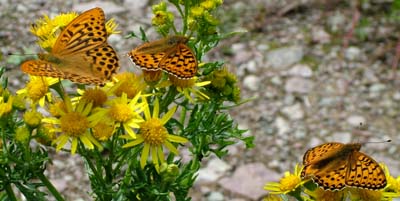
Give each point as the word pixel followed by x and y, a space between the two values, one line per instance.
pixel 334 166
pixel 170 54
pixel 81 52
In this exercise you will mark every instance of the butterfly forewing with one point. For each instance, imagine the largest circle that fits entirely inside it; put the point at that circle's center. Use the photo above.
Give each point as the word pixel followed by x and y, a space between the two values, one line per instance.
pixel 83 33
pixel 319 152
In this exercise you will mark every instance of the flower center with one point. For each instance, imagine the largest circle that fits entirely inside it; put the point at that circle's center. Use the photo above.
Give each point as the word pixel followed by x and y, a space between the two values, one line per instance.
pixel 153 132
pixel 289 182
pixel 96 96
pixel 120 112
pixel 37 89
pixel 74 124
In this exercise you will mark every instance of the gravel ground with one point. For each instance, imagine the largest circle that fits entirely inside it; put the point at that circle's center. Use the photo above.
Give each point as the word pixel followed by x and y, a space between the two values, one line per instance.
pixel 309 85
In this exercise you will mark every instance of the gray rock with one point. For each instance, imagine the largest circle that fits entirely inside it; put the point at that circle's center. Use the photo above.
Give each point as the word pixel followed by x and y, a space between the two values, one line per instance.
pixel 299 85
pixel 352 53
pixel 356 120
pixel 376 88
pixel 252 82
pixel 282 125
pixel 215 169
pixel 319 35
pixel 343 137
pixel 294 112
pixel 215 196
pixel 248 180
pixel 108 6
pixel 284 57
pixel 300 70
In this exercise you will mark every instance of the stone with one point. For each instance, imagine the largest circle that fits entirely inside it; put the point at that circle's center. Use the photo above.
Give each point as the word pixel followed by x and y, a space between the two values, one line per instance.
pixel 356 120
pixel 299 85
pixel 282 125
pixel 249 179
pixel 352 53
pixel 215 169
pixel 108 6
pixel 215 196
pixel 251 82
pixel 301 70
pixel 293 112
pixel 283 58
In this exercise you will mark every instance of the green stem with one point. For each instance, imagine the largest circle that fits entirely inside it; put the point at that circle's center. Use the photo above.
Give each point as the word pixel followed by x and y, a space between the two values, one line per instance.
pixel 50 187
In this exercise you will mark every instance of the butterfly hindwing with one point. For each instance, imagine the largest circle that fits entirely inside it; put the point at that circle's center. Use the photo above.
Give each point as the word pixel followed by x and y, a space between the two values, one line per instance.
pixel 365 172
pixel 103 60
pixel 170 54
pixel 181 63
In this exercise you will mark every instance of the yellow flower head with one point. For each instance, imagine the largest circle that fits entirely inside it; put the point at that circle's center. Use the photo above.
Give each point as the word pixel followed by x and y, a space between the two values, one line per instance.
pixel 22 134
pixel 130 84
pixel 154 136
pixel 6 104
pixel 73 124
pixel 190 86
pixel 288 183
pixel 37 89
pixel 103 130
pixel 33 118
pixel 123 111
pixel 45 134
pixel 152 77
pixel 95 95
pixel 196 12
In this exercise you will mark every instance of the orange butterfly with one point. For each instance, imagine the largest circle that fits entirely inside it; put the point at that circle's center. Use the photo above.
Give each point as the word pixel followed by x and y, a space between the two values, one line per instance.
pixel 81 52
pixel 170 54
pixel 334 166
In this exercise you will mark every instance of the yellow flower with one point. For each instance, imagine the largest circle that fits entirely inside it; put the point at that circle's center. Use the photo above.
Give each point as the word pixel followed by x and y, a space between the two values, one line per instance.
pixel 196 12
pixel 123 111
pixel 287 184
pixel 33 118
pixel 96 95
pixel 188 87
pixel 152 77
pixel 130 84
pixel 22 134
pixel 327 195
pixel 6 104
pixel 154 136
pixel 73 124
pixel 208 4
pixel 45 134
pixel 103 130
pixel 37 89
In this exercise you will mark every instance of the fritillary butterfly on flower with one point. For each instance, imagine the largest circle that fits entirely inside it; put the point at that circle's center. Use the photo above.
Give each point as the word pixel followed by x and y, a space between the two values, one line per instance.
pixel 334 166
pixel 170 54
pixel 81 52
